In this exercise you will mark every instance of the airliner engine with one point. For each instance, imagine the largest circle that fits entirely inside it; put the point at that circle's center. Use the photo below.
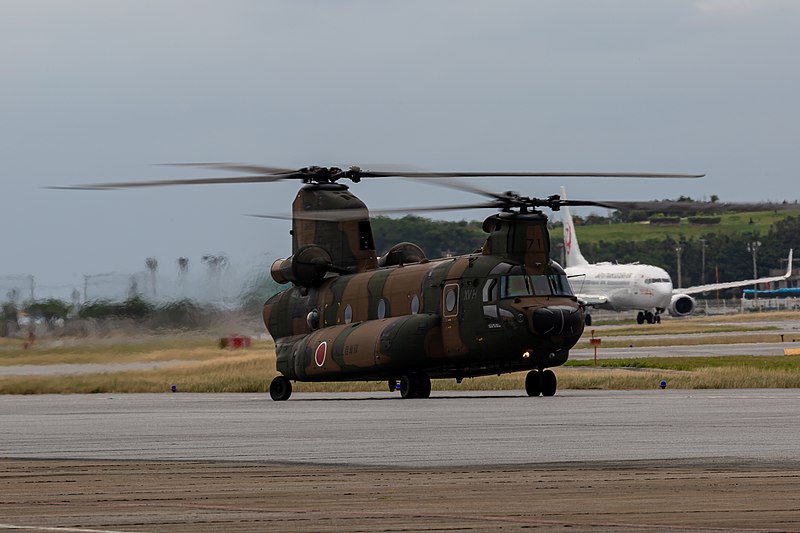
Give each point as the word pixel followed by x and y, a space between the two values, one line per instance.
pixel 681 305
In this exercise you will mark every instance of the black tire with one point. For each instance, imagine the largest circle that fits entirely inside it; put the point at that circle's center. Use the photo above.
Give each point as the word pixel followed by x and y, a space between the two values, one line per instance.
pixel 280 389
pixel 587 319
pixel 408 386
pixel 657 319
pixel 549 383
pixel 423 386
pixel 640 318
pixel 649 317
pixel 533 383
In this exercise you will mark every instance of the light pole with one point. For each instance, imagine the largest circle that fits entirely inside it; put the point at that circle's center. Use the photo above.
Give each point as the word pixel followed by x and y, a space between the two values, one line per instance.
pixel 703 261
pixel 678 252
pixel 152 265
pixel 753 247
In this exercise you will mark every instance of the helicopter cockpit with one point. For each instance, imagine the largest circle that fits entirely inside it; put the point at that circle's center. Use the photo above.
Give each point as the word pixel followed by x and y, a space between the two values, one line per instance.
pixel 511 281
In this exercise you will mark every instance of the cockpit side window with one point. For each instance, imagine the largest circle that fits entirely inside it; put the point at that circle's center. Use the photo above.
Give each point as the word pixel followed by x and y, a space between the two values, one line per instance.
pixel 490 290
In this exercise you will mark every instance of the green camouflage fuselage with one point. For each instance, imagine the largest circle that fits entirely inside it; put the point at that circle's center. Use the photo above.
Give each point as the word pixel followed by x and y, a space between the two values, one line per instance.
pixel 390 321
pixel 504 308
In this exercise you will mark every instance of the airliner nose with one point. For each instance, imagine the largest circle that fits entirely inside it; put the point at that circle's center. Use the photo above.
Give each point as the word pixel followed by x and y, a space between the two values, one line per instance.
pixel 557 320
pixel 663 294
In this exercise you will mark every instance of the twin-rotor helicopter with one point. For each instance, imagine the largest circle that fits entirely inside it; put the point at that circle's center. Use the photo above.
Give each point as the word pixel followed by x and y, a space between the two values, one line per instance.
pixel 404 318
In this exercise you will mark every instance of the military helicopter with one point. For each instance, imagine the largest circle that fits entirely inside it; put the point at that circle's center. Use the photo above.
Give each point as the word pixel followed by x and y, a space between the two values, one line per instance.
pixel 403 318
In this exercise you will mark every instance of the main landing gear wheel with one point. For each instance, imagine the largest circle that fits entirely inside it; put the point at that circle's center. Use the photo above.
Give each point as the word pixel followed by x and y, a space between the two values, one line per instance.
pixel 533 383
pixel 544 383
pixel 280 389
pixel 415 386
pixel 549 383
pixel 640 318
pixel 587 319
pixel 649 317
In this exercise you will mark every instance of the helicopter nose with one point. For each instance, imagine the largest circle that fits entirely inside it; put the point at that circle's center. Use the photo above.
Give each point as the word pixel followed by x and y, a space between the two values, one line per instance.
pixel 557 320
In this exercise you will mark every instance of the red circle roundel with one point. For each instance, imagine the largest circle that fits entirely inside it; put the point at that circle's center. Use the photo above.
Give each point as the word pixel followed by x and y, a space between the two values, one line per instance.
pixel 319 355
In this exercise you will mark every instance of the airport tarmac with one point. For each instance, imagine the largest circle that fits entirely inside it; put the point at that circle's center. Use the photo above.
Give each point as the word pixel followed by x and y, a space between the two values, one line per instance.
pixel 380 429
pixel 584 460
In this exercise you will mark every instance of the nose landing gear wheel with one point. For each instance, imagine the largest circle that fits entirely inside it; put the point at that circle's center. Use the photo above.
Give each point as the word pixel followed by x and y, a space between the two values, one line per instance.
pixel 533 383
pixel 280 389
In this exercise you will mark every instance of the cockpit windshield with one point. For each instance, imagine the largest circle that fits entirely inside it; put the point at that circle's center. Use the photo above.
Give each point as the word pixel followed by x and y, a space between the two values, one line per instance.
pixel 516 285
pixel 511 281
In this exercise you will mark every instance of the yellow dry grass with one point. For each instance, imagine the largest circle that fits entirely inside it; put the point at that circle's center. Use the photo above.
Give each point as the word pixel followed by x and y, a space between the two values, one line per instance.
pixel 200 366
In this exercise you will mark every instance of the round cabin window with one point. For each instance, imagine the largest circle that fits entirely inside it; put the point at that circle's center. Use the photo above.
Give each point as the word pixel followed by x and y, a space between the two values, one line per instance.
pixel 450 300
pixel 414 304
pixel 348 314
pixel 381 308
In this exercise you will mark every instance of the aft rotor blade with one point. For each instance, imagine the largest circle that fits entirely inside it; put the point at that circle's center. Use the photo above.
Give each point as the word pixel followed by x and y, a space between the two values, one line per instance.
pixel 235 167
pixel 162 183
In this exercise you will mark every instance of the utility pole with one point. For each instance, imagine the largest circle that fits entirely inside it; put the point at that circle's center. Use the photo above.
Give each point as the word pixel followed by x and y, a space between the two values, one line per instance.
pixel 678 252
pixel 753 247
pixel 703 262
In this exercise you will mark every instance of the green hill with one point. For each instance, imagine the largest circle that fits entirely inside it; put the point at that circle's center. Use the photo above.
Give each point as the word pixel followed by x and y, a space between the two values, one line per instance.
pixel 756 222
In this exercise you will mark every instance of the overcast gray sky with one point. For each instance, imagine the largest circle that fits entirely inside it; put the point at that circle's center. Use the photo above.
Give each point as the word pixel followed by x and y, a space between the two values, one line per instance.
pixel 99 90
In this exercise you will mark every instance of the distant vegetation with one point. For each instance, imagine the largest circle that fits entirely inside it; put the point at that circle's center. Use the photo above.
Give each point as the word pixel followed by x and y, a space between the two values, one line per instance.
pixel 437 238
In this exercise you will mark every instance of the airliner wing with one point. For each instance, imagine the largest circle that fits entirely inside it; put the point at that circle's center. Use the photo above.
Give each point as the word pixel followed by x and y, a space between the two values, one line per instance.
pixel 733 284
pixel 592 300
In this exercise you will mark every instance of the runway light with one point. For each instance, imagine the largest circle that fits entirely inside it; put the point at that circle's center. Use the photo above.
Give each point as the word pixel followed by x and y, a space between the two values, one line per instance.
pixel 663 384
pixel 526 355
pixel 174 388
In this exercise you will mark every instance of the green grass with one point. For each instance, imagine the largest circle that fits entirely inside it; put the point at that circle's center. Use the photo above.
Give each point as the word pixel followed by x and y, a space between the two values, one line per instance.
pixel 731 224
pixel 690 364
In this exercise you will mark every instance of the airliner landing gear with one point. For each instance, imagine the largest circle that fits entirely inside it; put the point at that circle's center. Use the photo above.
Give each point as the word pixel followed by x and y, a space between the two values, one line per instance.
pixel 587 319
pixel 648 316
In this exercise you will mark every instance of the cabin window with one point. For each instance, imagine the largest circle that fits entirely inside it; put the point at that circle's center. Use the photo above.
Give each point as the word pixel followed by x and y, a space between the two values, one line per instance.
pixel 450 299
pixel 348 314
pixel 414 304
pixel 381 308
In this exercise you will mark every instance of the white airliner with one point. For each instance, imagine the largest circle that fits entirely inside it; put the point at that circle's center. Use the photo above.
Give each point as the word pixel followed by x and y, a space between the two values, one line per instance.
pixel 633 286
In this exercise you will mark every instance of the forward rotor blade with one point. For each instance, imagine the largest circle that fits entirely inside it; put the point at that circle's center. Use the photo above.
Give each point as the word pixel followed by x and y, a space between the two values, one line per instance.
pixel 378 174
pixel 461 185
pixel 353 214
pixel 396 210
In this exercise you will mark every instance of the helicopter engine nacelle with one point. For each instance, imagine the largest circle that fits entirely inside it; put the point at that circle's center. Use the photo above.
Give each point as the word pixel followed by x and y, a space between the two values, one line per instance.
pixel 306 268
pixel 681 305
